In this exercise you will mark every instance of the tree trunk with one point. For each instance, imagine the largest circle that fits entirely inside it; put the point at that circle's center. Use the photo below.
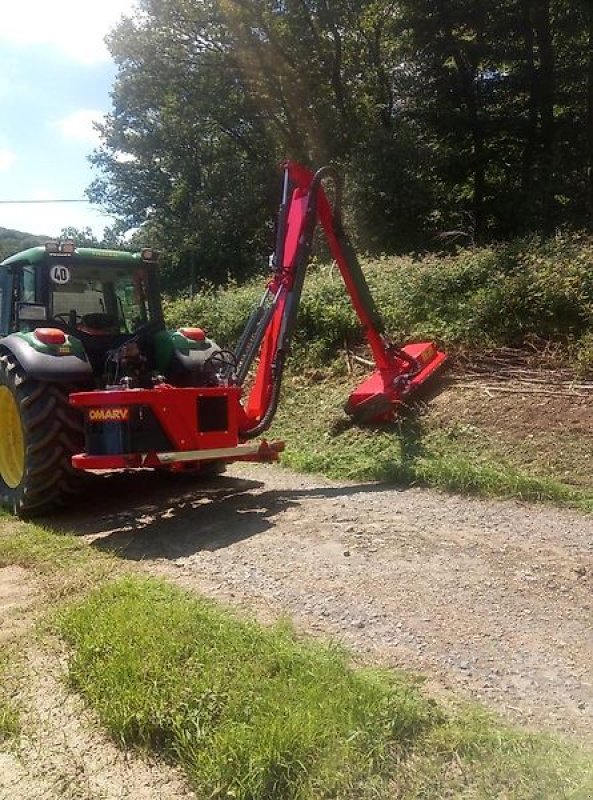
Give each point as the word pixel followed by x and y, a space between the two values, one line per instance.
pixel 590 110
pixel 530 141
pixel 541 19
pixel 467 71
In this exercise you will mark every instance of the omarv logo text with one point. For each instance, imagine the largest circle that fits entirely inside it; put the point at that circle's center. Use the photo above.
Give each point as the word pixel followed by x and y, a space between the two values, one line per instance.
pixel 109 414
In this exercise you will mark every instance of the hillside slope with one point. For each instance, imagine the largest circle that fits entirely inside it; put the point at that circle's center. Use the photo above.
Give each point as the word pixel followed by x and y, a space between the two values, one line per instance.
pixel 12 241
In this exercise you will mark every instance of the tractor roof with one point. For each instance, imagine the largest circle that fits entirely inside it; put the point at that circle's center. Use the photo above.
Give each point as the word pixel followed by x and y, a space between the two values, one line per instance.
pixel 38 255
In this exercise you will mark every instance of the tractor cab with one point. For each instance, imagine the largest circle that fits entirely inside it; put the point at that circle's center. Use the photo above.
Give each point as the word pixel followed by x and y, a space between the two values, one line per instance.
pixel 64 284
pixel 101 306
pixel 96 299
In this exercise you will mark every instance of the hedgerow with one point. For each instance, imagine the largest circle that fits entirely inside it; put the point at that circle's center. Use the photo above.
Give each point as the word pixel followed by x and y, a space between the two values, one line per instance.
pixel 510 294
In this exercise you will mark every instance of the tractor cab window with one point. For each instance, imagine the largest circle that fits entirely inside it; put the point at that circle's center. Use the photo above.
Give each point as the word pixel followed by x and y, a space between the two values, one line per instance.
pixel 27 285
pixel 6 292
pixel 99 299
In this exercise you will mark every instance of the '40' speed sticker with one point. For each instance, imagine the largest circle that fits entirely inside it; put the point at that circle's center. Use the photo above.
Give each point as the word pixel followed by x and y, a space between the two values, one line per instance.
pixel 59 273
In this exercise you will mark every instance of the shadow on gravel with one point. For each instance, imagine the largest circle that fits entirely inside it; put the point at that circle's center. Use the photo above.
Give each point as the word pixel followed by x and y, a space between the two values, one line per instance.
pixel 145 516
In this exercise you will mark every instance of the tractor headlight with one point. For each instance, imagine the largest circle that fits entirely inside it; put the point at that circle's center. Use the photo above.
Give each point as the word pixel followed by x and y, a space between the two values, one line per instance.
pixel 67 248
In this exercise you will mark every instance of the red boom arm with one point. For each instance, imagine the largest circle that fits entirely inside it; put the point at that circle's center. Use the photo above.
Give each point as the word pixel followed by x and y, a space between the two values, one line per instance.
pixel 399 372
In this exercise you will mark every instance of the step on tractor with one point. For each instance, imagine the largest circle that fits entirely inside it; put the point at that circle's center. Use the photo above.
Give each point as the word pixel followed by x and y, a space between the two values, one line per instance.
pixel 91 378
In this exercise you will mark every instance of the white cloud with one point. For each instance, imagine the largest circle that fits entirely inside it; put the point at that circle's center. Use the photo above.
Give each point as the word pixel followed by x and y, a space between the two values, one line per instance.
pixel 79 126
pixel 7 159
pixel 48 219
pixel 77 28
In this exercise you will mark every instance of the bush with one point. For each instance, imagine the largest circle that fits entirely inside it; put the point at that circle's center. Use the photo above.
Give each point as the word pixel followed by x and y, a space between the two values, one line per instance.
pixel 503 295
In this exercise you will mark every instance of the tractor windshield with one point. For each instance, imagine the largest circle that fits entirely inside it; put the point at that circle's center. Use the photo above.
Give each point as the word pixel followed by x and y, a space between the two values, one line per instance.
pixel 99 298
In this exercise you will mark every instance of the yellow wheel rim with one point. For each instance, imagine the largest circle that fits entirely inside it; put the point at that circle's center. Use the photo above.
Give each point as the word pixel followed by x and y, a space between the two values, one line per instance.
pixel 12 442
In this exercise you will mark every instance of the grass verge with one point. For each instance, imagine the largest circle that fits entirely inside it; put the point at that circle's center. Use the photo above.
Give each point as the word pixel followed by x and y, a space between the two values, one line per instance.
pixel 9 713
pixel 64 563
pixel 252 713
pixel 31 545
pixel 412 451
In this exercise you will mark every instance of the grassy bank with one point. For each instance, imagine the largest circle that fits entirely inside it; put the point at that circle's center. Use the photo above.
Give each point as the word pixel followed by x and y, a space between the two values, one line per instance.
pixel 520 294
pixel 253 713
pixel 423 449
pixel 511 294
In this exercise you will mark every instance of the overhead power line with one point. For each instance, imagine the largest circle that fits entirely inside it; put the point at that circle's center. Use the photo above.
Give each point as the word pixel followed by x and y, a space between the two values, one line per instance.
pixel 72 200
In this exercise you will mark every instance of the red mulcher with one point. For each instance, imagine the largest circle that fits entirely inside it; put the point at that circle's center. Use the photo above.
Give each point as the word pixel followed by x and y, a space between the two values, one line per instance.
pixel 196 425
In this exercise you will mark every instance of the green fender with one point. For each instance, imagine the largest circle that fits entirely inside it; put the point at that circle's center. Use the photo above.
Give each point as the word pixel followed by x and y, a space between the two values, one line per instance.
pixel 65 363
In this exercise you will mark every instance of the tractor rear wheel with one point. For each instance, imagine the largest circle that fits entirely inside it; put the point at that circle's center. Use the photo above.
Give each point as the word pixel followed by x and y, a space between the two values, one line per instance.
pixel 39 432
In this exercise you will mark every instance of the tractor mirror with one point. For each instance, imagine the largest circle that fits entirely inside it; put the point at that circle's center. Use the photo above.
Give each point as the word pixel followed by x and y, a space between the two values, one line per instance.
pixel 31 312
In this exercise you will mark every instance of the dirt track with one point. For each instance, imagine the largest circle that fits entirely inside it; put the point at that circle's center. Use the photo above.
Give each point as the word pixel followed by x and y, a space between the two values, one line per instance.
pixel 491 599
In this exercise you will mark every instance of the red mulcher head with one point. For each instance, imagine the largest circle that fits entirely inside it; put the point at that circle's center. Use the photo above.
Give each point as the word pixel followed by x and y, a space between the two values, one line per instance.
pixel 379 397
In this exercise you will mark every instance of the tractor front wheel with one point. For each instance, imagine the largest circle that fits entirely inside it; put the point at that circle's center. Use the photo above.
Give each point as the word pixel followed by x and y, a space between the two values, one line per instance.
pixel 39 433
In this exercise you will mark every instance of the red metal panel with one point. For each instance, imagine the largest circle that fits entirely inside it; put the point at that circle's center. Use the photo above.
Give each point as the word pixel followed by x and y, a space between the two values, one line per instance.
pixel 176 410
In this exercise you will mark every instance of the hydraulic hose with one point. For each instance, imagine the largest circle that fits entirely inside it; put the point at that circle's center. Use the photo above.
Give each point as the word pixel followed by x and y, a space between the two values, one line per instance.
pixel 270 413
pixel 300 266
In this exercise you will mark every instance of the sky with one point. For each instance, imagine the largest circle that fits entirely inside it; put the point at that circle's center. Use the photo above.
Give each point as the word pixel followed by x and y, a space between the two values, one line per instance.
pixel 55 78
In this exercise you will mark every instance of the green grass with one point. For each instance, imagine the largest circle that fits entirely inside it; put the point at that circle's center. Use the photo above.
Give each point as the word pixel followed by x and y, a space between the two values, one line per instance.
pixel 64 564
pixel 30 545
pixel 253 713
pixel 10 725
pixel 413 451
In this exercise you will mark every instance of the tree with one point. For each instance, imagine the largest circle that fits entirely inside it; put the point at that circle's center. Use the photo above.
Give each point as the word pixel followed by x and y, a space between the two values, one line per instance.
pixel 184 153
pixel 442 114
pixel 211 97
pixel 82 237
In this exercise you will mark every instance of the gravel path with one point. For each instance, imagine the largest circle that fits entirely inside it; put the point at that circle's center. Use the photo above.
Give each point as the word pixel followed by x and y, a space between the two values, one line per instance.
pixel 490 599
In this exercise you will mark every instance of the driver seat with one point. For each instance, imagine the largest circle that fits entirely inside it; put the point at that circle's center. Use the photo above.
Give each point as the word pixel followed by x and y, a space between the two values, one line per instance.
pixel 98 324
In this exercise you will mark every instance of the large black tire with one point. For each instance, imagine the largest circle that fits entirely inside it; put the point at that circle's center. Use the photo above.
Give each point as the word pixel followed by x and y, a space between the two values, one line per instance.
pixel 37 474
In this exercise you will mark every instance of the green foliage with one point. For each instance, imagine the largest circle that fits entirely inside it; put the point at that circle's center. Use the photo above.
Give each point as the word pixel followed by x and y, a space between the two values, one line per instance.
pixel 509 294
pixel 455 121
pixel 221 312
pixel 252 713
pixel 211 97
pixel 83 237
pixel 583 355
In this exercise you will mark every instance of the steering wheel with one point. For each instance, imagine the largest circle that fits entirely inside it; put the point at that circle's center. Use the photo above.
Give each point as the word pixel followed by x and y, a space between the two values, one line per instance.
pixel 65 318
pixel 98 320
pixel 221 361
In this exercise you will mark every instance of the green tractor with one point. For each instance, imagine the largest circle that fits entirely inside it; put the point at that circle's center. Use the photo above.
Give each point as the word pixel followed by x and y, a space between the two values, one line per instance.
pixel 73 320
pixel 90 378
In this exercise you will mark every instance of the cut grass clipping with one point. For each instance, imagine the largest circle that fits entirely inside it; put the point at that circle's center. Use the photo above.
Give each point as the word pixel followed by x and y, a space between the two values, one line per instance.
pixel 252 713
